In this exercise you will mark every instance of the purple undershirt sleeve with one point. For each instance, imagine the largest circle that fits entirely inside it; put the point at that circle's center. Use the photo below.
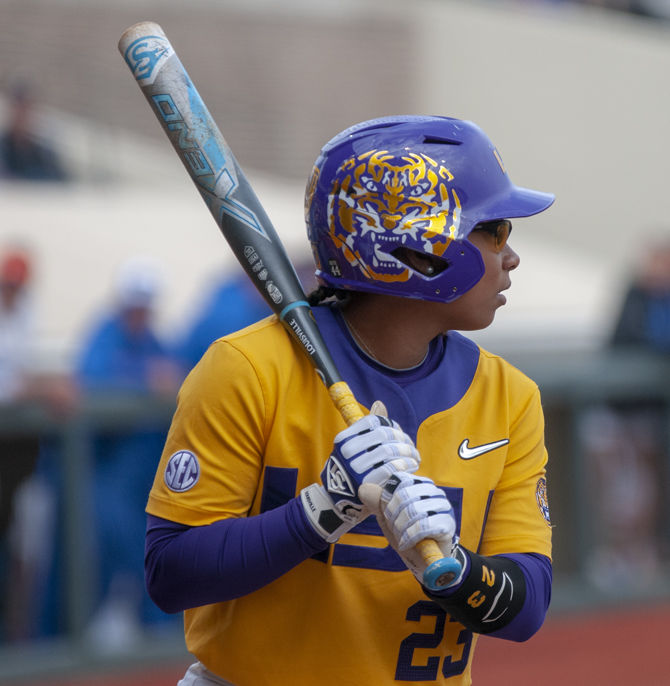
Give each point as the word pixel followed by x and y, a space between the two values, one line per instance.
pixel 537 571
pixel 190 566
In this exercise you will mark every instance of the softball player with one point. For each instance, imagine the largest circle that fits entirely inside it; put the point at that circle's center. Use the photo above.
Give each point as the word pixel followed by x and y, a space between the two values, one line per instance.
pixel 256 528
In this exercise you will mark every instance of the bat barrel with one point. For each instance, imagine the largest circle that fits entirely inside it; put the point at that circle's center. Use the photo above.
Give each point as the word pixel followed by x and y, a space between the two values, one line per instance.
pixel 221 182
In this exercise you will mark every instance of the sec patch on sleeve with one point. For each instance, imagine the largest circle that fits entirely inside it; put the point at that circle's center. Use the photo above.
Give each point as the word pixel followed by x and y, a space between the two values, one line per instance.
pixel 542 499
pixel 182 471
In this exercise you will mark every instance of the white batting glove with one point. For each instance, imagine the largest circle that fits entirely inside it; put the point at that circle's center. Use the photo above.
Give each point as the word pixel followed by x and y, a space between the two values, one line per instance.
pixel 412 509
pixel 368 452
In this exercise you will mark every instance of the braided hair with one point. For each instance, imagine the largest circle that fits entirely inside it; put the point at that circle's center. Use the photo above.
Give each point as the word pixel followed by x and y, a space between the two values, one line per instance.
pixel 322 293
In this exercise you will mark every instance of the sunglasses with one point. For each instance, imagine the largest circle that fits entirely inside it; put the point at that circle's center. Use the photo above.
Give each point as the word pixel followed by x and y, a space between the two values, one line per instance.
pixel 499 229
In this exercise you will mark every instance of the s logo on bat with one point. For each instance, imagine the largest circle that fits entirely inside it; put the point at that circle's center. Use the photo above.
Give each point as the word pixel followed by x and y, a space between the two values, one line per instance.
pixel 144 55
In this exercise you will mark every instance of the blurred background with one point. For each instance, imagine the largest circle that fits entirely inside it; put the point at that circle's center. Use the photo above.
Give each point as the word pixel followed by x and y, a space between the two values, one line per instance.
pixel 113 279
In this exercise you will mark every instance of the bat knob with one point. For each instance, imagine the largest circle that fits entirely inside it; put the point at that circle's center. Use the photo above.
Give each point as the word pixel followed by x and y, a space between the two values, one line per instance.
pixel 441 574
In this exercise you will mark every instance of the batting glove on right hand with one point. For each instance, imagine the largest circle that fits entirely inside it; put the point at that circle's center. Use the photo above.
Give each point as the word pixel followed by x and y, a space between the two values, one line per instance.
pixel 367 452
pixel 412 509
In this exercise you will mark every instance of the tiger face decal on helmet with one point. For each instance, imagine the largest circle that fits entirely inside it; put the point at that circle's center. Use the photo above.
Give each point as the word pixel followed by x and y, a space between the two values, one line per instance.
pixel 391 202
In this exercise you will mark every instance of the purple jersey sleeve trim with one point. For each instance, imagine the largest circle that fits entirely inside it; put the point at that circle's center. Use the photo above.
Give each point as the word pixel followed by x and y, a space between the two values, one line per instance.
pixel 190 566
pixel 537 571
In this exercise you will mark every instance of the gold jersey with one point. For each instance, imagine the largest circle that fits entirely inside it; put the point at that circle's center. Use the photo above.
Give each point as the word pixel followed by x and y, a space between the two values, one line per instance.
pixel 254 425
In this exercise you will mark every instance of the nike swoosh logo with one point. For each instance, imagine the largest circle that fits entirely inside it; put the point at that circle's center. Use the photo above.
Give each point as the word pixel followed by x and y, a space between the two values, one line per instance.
pixel 465 452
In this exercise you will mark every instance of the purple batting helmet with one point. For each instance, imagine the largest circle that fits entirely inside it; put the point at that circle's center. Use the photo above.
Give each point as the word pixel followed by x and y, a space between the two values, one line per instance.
pixel 396 184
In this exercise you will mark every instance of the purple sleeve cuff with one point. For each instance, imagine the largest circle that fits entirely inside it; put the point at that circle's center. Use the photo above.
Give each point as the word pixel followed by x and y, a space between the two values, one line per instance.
pixel 190 566
pixel 537 572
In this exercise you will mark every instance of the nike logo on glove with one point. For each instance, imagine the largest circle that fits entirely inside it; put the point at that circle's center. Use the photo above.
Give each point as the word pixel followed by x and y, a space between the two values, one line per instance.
pixel 465 452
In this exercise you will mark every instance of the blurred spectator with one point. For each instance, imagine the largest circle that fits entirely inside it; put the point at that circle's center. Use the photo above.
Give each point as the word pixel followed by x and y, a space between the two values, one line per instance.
pixel 124 353
pixel 232 304
pixel 23 152
pixel 644 318
pixel 626 443
pixel 22 499
pixel 624 450
pixel 18 450
pixel 16 324
pixel 20 379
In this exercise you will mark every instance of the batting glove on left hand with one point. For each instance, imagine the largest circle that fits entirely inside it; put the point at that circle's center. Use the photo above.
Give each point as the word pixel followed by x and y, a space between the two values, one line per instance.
pixel 412 509
pixel 369 451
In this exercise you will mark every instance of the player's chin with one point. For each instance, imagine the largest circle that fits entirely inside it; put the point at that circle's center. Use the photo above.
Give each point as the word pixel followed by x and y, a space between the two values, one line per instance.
pixel 483 319
pixel 489 314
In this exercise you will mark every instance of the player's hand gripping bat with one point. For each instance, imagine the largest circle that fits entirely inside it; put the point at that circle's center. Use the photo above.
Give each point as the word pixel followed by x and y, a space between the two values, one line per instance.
pixel 242 220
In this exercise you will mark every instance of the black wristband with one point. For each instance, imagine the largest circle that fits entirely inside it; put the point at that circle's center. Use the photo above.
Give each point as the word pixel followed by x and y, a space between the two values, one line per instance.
pixel 490 596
